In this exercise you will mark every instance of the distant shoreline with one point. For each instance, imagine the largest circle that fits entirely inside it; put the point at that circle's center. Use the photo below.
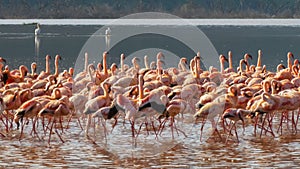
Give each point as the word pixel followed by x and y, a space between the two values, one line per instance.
pixel 196 22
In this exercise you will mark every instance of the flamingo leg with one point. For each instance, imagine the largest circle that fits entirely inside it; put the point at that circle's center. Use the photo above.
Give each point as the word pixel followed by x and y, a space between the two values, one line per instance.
pixel 53 121
pixel 177 129
pixel 236 134
pixel 138 132
pixel 255 125
pixel 132 128
pixel 201 129
pixel 22 129
pixel 280 124
pixel 69 120
pixel 58 132
pixel 172 120
pixel 287 120
pixel 162 126
pixel 94 128
pixel 297 118
pixel 146 125
pixel 294 126
pixel 115 123
pixel 78 120
pixel 262 125
pixel 104 127
pixel 88 123
pixel 34 127
pixel 214 126
pixel 229 132
pixel 152 123
pixel 61 125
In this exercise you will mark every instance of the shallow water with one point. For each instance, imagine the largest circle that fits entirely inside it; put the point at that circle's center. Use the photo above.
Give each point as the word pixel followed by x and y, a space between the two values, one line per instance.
pixel 117 149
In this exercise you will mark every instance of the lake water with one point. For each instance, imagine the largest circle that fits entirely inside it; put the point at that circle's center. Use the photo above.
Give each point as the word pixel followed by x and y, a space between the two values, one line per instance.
pixel 17 46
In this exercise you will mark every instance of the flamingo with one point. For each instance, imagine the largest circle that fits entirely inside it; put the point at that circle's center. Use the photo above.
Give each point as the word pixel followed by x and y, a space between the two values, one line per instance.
pixel 45 73
pixel 8 77
pixel 175 107
pixel 235 115
pixel 57 58
pixel 56 109
pixel 83 74
pixel 230 67
pixel 37 31
pixel 259 66
pixel 28 109
pixel 96 103
pixel 212 109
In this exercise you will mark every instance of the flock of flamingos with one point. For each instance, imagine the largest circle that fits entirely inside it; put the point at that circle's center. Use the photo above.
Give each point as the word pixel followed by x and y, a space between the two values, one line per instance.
pixel 151 98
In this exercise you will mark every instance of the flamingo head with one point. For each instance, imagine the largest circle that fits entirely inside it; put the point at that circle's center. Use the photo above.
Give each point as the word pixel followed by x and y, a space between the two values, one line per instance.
pixel 290 55
pixel 58 57
pixel 229 53
pixel 2 60
pixel 223 58
pixel 160 55
pixel 247 56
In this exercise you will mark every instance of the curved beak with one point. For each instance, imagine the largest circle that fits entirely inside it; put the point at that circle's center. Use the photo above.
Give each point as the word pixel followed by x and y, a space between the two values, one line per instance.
pixel 250 56
pixel 123 56
pixel 136 59
pixel 163 63
pixel 160 55
pixel 2 60
pixel 58 57
pixel 291 55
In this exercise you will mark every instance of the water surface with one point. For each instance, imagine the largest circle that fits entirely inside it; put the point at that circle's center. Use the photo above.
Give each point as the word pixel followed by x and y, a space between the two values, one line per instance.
pixel 17 45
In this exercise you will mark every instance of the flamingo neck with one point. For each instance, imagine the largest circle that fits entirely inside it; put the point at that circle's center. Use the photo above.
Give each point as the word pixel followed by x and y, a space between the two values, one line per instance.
pixel 230 61
pixel 266 86
pixel 197 71
pixel 222 66
pixel 105 90
pixel 158 67
pixel 259 60
pixel 32 71
pixel 182 66
pixel 136 66
pixel 56 68
pixel 85 62
pixel 192 67
pixel 146 62
pixel 122 64
pixel 199 65
pixel 47 65
pixel 241 66
pixel 141 89
pixel 290 63
pixel 91 74
pixel 105 65
pixel 22 72
pixel 1 66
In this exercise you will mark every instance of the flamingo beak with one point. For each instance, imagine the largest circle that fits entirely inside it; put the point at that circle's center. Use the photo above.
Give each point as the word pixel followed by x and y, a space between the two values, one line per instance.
pixel 2 60
pixel 163 63
pixel 160 55
pixel 123 56
pixel 138 59
pixel 250 56
pixel 225 59
pixel 185 61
